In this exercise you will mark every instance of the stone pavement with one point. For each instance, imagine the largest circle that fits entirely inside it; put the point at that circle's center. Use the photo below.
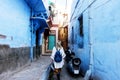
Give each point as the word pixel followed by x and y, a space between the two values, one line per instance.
pixel 66 76
pixel 34 71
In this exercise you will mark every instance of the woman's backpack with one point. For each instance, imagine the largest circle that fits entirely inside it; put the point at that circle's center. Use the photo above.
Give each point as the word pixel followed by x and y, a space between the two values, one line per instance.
pixel 58 56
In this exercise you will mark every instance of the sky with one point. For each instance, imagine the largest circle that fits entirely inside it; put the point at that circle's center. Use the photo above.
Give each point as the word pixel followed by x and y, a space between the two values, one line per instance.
pixel 61 4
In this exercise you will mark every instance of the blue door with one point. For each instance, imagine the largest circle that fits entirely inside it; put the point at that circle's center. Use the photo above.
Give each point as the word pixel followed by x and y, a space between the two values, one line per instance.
pixel 51 42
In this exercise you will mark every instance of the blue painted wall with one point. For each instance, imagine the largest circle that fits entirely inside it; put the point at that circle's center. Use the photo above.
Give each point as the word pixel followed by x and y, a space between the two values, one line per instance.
pixel 102 33
pixel 106 39
pixel 15 23
pixel 80 7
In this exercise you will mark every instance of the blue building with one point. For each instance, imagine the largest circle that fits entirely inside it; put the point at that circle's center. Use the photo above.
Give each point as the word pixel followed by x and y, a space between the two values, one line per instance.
pixel 94 37
pixel 21 25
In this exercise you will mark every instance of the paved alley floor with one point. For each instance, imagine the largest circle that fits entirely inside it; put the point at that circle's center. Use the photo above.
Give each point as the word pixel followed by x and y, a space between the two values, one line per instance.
pixel 66 76
pixel 33 71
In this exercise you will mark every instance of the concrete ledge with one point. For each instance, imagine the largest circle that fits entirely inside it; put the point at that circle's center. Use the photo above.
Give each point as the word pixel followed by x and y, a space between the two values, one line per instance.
pixel 46 73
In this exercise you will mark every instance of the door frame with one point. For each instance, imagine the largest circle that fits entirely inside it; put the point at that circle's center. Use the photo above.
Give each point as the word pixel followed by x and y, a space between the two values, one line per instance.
pixel 52 32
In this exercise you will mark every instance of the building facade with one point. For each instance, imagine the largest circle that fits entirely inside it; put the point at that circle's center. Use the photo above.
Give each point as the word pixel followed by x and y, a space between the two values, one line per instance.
pixel 15 23
pixel 94 36
pixel 19 27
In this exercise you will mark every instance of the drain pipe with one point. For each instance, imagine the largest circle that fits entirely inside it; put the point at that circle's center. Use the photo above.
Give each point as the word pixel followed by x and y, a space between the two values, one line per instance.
pixel 31 47
pixel 89 71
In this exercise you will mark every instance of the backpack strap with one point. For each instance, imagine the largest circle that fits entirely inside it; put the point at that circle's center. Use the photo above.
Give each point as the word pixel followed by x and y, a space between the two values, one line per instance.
pixel 57 49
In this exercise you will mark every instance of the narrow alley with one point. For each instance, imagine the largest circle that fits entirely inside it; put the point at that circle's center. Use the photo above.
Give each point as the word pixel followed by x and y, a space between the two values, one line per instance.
pixel 33 31
pixel 36 71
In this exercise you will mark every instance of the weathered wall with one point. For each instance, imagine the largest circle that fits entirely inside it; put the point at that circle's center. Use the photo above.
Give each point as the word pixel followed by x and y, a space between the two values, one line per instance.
pixel 12 58
pixel 14 34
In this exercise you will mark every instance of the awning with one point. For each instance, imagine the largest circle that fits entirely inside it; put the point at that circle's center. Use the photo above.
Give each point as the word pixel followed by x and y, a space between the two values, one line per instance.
pixel 39 24
pixel 36 5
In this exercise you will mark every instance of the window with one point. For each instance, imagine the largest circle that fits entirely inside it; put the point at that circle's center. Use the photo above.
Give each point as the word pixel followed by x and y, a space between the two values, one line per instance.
pixel 81 42
pixel 72 35
pixel 81 25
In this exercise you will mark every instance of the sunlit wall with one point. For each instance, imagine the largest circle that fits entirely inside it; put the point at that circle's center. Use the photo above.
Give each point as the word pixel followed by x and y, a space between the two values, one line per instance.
pixel 14 23
pixel 101 22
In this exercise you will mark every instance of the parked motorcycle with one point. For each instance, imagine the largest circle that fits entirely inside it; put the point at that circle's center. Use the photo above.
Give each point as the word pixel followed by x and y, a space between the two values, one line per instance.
pixel 73 64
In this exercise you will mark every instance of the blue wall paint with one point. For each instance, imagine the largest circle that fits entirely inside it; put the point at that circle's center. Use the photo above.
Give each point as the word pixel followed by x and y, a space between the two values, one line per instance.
pixel 83 54
pixel 14 23
pixel 106 40
pixel 101 28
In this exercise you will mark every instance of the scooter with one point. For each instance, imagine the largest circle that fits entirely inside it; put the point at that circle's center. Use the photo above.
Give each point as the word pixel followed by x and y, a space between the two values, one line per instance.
pixel 73 66
pixel 76 65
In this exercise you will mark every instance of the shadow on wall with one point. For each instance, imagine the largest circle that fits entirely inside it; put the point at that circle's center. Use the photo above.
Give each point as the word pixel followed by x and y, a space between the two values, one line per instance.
pixel 11 58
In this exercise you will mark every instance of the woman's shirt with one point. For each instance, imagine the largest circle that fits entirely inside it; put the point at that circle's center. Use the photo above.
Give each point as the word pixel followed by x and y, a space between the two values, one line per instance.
pixel 60 64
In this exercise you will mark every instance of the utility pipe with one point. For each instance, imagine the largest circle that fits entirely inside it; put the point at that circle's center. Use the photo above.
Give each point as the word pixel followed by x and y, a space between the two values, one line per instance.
pixel 31 48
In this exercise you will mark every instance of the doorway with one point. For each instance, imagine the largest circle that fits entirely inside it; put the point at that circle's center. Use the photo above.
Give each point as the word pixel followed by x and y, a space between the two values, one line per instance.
pixel 50 41
pixel 63 36
pixel 38 46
